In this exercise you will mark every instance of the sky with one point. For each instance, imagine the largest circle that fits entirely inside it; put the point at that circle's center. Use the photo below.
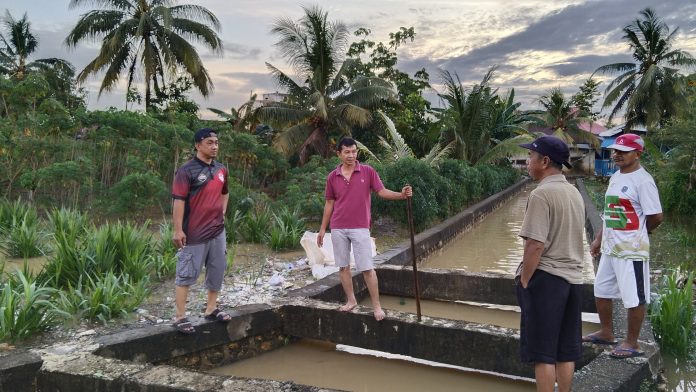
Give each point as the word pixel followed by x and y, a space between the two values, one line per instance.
pixel 535 44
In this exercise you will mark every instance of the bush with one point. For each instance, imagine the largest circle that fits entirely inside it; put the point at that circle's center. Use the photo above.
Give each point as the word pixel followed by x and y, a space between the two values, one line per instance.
pixel 464 183
pixel 135 192
pixel 21 234
pixel 101 298
pixel 286 230
pixel 303 190
pixel 120 248
pixel 672 314
pixel 256 224
pixel 165 252
pixel 430 192
pixel 24 307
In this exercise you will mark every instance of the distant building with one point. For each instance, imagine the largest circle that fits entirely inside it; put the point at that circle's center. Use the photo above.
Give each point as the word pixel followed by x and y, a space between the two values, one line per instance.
pixel 268 98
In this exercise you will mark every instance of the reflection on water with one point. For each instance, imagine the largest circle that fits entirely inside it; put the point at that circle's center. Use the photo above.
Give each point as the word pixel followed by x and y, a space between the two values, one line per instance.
pixel 323 364
pixel 493 245
pixel 680 374
pixel 500 315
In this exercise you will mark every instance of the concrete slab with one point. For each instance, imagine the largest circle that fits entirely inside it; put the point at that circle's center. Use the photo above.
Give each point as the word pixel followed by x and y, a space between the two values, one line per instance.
pixel 458 285
pixel 16 369
pixel 459 343
pixel 163 342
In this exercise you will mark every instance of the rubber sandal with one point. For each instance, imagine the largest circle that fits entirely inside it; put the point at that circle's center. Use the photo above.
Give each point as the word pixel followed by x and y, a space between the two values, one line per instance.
pixel 595 340
pixel 184 326
pixel 218 315
pixel 627 353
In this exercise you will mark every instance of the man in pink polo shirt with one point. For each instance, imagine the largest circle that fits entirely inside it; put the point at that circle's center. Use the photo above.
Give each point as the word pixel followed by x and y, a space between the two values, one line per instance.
pixel 347 207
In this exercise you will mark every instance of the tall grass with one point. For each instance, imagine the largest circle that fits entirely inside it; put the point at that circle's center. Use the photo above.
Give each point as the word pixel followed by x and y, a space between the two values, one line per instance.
pixel 672 314
pixel 120 248
pixel 256 224
pixel 24 238
pixel 100 298
pixel 286 230
pixel 25 307
pixel 233 224
pixel 165 252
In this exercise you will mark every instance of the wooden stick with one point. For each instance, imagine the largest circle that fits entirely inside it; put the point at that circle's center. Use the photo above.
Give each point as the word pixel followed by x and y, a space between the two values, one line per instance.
pixel 413 256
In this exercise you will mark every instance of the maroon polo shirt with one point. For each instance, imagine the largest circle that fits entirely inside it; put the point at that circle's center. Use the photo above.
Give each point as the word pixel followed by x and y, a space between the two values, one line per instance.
pixel 201 186
pixel 352 197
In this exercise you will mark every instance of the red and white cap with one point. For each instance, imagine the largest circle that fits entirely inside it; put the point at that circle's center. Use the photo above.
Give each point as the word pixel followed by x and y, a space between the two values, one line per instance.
pixel 628 142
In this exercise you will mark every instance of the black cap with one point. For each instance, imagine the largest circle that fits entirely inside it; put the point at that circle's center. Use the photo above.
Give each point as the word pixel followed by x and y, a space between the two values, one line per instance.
pixel 202 134
pixel 552 147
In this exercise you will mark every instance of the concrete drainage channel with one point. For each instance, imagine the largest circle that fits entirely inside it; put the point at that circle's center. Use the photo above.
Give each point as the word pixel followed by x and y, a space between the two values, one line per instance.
pixel 160 359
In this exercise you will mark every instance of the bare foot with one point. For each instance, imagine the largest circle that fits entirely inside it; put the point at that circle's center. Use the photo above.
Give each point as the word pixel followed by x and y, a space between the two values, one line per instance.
pixel 379 314
pixel 347 307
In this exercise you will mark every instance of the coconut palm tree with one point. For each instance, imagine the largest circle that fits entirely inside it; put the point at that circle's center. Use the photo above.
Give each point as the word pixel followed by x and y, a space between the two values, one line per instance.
pixel 395 147
pixel 563 118
pixel 18 44
pixel 147 36
pixel 474 120
pixel 650 89
pixel 326 102
pixel 242 118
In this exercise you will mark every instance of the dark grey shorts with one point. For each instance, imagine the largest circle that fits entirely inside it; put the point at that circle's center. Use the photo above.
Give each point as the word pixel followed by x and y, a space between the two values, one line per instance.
pixel 191 258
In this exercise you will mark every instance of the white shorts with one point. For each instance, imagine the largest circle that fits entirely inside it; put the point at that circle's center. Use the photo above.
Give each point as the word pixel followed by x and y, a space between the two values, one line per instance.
pixel 360 239
pixel 624 279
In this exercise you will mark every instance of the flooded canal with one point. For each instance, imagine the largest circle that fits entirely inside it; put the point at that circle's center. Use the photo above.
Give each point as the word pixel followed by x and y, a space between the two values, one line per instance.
pixel 327 365
pixel 493 245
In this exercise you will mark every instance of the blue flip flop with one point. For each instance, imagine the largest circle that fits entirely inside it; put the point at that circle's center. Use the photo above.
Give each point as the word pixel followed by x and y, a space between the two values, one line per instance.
pixel 625 352
pixel 595 340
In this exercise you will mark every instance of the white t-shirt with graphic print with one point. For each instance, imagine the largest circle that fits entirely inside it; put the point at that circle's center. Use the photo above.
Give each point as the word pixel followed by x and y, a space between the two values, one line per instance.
pixel 630 198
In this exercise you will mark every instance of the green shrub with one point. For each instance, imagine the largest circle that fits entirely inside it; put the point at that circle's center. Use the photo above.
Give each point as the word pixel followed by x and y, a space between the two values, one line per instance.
pixel 303 189
pixel 464 183
pixel 24 307
pixel 135 192
pixel 256 224
pixel 165 252
pixel 672 313
pixel 430 192
pixel 23 236
pixel 120 248
pixel 101 298
pixel 286 230
pixel 233 224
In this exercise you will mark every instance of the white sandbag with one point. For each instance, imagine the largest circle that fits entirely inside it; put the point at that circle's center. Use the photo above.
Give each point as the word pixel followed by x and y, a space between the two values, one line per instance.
pixel 320 271
pixel 324 255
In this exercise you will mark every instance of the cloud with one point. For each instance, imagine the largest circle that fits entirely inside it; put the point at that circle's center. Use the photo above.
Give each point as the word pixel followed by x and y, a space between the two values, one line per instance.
pixel 235 51
pixel 587 64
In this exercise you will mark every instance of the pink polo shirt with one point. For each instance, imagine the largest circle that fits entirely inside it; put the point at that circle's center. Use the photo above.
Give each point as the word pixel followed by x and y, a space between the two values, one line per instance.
pixel 352 198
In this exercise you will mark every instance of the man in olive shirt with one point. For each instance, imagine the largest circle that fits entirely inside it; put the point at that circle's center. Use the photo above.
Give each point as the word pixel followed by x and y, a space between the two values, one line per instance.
pixel 549 277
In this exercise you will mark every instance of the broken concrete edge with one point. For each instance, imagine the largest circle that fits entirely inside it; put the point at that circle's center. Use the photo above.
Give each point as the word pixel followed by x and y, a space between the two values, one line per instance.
pixel 162 342
pixel 16 369
pixel 329 287
pixel 459 285
pixel 90 372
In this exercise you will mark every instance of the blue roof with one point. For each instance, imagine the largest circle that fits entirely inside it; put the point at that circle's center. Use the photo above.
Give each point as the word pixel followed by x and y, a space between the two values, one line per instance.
pixel 607 142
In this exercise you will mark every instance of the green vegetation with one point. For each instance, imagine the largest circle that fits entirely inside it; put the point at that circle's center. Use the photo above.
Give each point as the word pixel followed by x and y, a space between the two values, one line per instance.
pixel 672 313
pixel 68 167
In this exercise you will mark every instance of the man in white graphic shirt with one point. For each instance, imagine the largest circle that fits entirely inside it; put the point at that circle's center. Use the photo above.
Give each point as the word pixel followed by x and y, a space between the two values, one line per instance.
pixel 631 211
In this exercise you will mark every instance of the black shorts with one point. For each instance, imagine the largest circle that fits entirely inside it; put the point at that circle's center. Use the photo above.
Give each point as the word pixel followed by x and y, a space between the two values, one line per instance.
pixel 551 322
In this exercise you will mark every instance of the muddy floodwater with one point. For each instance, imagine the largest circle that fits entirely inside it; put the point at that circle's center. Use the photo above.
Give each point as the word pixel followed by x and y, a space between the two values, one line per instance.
pixel 500 315
pixel 327 365
pixel 493 245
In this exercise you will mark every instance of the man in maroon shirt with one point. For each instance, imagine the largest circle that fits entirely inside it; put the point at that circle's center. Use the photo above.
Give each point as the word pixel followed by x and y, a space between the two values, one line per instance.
pixel 347 207
pixel 200 200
